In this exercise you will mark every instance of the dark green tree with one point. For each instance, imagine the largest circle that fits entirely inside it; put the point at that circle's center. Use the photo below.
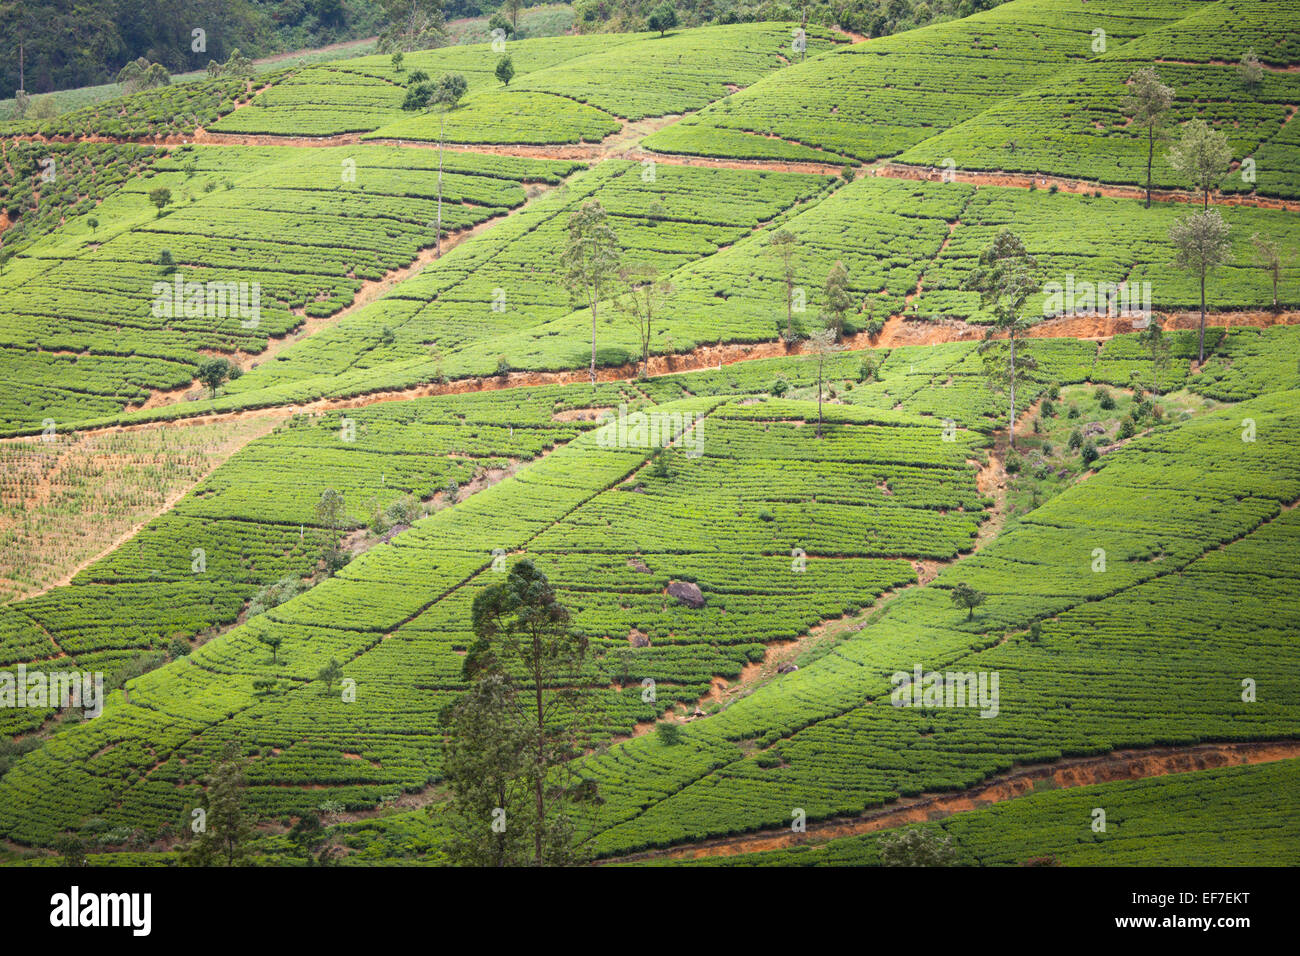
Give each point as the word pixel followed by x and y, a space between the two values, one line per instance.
pixel 662 18
pixel 1146 104
pixel 488 771
pixel 505 70
pixel 223 839
pixel 917 846
pixel 522 629
pixel 215 372
pixel 963 595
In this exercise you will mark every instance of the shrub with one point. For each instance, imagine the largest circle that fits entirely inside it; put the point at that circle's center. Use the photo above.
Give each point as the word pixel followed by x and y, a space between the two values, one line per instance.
pixel 1013 463
pixel 1076 440
pixel 1089 453
pixel 669 733
pixel 273 595
pixel 1126 428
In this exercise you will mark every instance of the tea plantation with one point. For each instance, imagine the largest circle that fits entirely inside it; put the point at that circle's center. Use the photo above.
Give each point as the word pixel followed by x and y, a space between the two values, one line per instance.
pixel 707 325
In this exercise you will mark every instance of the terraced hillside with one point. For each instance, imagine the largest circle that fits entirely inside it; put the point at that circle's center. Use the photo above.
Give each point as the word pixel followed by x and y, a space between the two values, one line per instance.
pixel 343 347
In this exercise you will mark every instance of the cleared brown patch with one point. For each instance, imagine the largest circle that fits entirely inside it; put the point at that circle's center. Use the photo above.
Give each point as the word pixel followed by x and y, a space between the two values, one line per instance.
pixel 70 501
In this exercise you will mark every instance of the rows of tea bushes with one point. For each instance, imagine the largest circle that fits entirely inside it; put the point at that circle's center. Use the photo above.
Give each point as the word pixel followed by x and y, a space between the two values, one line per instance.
pixel 1078 243
pixel 875 99
pixel 41 184
pixel 1073 123
pixel 890 234
pixel 565 89
pixel 366 93
pixel 487 293
pixel 371 746
pixel 1150 648
pixel 397 617
pixel 253 522
pixel 303 228
pixel 1230 816
pixel 160 113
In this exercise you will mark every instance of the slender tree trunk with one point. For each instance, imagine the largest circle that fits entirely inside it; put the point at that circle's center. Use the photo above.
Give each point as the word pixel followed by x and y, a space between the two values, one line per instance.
pixel 819 397
pixel 1151 149
pixel 595 293
pixel 1202 346
pixel 1012 337
pixel 789 309
pixel 540 783
pixel 437 235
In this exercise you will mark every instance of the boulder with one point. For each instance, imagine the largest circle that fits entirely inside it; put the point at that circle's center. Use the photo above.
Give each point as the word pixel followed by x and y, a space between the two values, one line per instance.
pixel 686 593
pixel 787 668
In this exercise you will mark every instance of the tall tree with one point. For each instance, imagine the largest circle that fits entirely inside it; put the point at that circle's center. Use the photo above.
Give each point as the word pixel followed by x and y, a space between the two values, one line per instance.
pixel 1250 69
pixel 1146 104
pixel 662 18
pixel 782 244
pixel 838 300
pixel 590 261
pixel 330 513
pixel 513 7
pixel 520 626
pixel 1268 253
pixel 226 830
pixel 645 293
pixel 822 344
pixel 1157 343
pixel 1203 156
pixel 1200 246
pixel 487 769
pixel 446 94
pixel 412 25
pixel 1005 278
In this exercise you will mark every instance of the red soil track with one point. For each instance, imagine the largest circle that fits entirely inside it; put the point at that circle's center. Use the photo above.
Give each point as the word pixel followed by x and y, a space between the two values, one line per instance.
pixel 1072 772
pixel 1066 184
pixel 896 332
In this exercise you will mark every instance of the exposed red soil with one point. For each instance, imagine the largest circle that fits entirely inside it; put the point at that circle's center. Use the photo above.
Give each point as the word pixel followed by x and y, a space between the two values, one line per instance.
pixel 751 165
pixel 1072 772
pixel 896 332
pixel 1077 186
